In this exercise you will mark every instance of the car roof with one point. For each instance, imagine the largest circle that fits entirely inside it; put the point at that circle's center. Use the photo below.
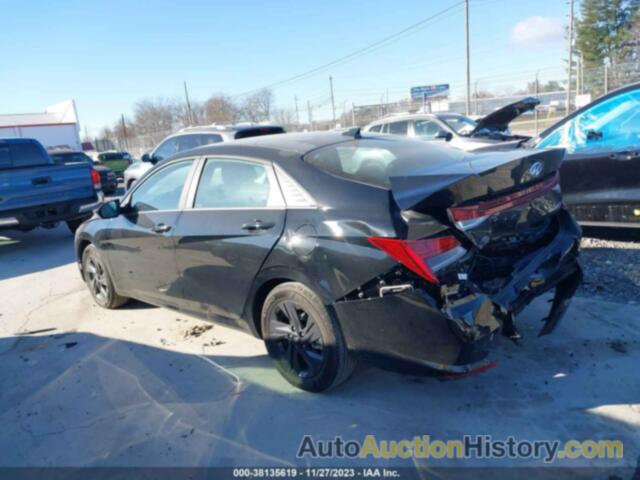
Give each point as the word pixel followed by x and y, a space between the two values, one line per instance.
pixel 293 146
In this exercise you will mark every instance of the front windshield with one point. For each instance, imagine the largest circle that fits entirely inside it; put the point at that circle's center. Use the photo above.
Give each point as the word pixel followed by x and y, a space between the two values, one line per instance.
pixel 461 124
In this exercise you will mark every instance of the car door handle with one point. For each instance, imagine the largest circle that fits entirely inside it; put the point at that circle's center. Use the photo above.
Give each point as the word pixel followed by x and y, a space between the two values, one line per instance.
pixel 258 225
pixel 161 228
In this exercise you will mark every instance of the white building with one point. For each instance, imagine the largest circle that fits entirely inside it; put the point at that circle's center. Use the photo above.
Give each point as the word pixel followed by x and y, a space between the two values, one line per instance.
pixel 56 126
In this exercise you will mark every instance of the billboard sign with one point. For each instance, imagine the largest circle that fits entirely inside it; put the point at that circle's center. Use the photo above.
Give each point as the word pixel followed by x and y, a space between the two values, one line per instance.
pixel 430 92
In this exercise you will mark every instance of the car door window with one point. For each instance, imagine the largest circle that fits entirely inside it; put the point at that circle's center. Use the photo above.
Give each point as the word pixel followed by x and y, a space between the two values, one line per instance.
pixel 187 142
pixel 398 128
pixel 375 128
pixel 162 190
pixel 613 124
pixel 166 149
pixel 236 184
pixel 426 129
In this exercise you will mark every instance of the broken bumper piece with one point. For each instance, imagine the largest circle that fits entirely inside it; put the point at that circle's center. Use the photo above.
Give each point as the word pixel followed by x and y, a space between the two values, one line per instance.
pixel 410 330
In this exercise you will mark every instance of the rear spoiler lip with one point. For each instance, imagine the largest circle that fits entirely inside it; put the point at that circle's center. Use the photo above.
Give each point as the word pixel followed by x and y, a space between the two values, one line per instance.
pixel 481 175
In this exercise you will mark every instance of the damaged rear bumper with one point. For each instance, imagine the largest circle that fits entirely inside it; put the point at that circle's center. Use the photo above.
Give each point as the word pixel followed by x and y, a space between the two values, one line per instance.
pixel 411 329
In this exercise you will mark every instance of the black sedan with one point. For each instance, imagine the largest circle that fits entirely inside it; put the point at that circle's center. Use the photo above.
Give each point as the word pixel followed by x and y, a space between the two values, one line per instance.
pixel 335 247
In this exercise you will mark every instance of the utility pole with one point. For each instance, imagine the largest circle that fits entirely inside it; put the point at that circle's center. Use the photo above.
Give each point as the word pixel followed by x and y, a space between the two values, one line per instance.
pixel 606 78
pixel 310 117
pixel 476 95
pixel 353 114
pixel 535 109
pixel 570 62
pixel 189 112
pixel 333 103
pixel 468 69
pixel 124 132
pixel 295 99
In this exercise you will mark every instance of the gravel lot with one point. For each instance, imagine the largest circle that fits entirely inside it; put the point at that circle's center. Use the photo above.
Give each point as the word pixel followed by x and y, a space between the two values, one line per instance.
pixel 611 266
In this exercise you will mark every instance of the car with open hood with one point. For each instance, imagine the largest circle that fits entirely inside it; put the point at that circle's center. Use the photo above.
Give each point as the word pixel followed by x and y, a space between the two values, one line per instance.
pixel 334 247
pixel 456 130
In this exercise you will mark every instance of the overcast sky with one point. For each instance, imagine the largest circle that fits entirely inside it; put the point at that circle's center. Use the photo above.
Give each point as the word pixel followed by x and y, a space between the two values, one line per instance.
pixel 109 54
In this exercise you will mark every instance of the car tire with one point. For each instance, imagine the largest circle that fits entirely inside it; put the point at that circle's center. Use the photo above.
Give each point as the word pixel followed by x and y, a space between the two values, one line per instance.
pixel 99 281
pixel 310 352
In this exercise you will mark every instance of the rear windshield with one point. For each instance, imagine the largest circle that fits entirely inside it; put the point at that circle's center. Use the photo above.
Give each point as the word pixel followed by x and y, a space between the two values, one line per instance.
pixel 105 157
pixel 373 161
pixel 21 155
pixel 258 131
pixel 66 158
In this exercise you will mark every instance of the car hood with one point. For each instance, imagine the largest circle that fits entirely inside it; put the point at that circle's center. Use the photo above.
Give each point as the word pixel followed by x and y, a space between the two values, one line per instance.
pixel 499 119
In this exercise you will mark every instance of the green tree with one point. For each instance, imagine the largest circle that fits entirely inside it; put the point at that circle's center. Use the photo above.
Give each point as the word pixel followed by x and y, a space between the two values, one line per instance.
pixel 606 31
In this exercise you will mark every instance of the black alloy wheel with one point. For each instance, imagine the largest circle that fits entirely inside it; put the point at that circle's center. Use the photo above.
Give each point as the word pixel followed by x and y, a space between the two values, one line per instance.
pixel 303 339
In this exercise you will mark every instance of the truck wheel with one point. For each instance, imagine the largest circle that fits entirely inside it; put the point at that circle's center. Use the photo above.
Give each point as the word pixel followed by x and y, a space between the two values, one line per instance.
pixel 98 280
pixel 303 339
pixel 74 224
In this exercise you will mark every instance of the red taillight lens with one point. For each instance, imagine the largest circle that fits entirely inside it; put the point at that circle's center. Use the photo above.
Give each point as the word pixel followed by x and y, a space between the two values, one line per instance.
pixel 420 256
pixel 484 209
pixel 95 178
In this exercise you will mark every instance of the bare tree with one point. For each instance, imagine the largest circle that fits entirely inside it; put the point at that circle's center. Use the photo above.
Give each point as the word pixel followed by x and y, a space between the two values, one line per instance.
pixel 154 118
pixel 220 108
pixel 285 118
pixel 257 106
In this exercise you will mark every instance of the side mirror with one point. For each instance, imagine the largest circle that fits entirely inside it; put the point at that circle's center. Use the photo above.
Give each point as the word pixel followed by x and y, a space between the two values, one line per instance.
pixel 444 135
pixel 146 157
pixel 110 209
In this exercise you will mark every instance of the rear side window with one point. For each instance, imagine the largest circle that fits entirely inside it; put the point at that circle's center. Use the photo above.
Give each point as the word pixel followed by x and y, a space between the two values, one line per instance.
pixel 21 155
pixel 187 142
pixel 398 128
pixel 363 164
pixel 234 184
pixel 258 131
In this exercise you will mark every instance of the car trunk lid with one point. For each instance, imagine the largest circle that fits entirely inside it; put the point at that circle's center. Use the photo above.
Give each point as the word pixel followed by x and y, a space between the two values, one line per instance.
pixel 493 199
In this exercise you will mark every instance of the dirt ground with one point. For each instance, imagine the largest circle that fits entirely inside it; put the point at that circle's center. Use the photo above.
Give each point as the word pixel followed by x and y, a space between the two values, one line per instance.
pixel 143 386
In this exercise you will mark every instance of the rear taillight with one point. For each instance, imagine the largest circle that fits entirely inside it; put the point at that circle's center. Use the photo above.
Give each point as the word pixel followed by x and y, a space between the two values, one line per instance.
pixel 95 179
pixel 423 257
pixel 474 214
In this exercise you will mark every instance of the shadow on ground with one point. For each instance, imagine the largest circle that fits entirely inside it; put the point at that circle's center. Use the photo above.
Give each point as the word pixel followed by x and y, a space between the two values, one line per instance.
pixel 22 253
pixel 83 399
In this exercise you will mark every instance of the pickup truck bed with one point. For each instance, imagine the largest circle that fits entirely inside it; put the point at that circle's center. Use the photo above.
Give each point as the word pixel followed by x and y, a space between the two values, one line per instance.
pixel 36 192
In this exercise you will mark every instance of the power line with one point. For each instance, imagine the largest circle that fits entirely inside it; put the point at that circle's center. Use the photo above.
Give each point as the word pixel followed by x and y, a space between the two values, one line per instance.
pixel 361 51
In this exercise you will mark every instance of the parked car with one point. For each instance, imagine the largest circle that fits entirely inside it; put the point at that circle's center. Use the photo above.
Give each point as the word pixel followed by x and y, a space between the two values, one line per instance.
pixel 334 247
pixel 601 171
pixel 108 180
pixel 194 137
pixel 457 130
pixel 116 161
pixel 34 191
